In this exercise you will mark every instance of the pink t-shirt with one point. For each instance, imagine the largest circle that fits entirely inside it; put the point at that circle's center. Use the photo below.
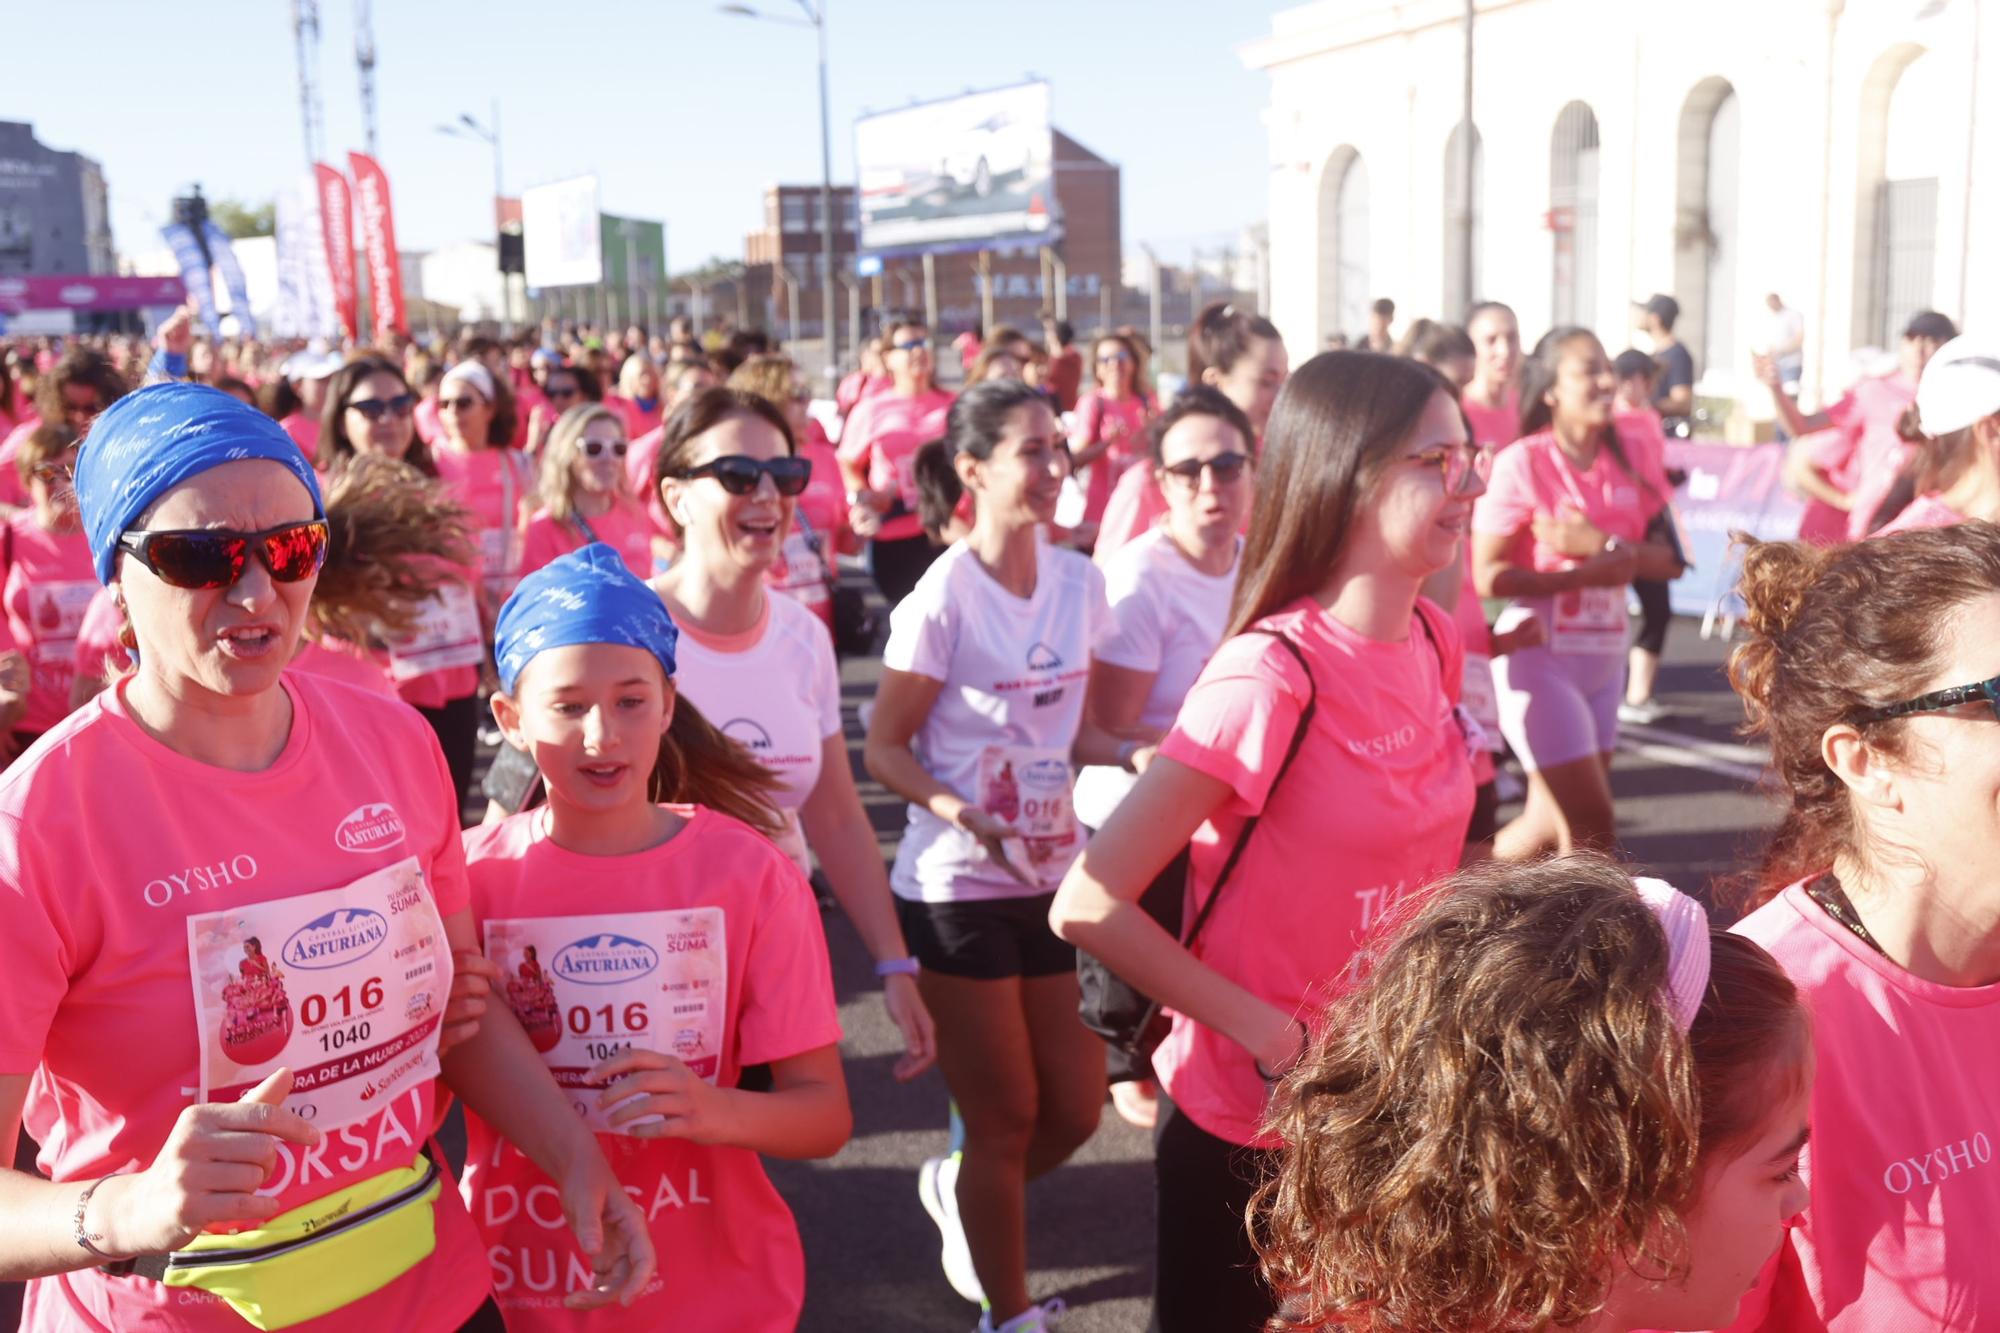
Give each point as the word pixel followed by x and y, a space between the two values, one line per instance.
pixel 858 385
pixel 1136 504
pixel 819 524
pixel 639 461
pixel 1926 511
pixel 46 581
pixel 98 652
pixel 1644 437
pixel 623 527
pixel 883 433
pixel 304 431
pixel 1905 1191
pixel 495 484
pixel 342 661
pixel 1121 423
pixel 1375 806
pixel 1860 453
pixel 96 891
pixel 1497 426
pixel 526 399
pixel 1478 692
pixel 429 429
pixel 637 416
pixel 729 1249
pixel 1537 479
pixel 14 491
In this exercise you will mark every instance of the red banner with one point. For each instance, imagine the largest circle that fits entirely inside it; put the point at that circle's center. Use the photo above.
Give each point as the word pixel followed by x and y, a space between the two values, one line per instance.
pixel 336 211
pixel 378 242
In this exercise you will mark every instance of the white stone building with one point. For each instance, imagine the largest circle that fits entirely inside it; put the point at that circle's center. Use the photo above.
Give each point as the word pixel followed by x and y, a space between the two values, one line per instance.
pixel 1843 153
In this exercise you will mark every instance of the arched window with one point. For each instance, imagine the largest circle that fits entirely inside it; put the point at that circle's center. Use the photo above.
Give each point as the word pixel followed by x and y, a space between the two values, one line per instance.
pixel 1462 219
pixel 1572 216
pixel 1343 245
pixel 1708 190
pixel 1906 199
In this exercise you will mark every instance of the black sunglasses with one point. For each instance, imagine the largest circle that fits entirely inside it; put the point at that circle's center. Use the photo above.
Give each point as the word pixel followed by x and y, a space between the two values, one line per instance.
pixel 1939 700
pixel 376 408
pixel 592 448
pixel 215 557
pixel 570 392
pixel 1225 468
pixel 739 473
pixel 910 344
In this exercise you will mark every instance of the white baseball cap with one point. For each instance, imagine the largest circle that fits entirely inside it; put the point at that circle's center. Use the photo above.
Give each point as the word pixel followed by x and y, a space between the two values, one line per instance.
pixel 1961 385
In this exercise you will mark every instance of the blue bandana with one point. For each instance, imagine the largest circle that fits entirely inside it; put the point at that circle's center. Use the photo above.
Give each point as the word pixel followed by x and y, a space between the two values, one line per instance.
pixel 587 596
pixel 152 440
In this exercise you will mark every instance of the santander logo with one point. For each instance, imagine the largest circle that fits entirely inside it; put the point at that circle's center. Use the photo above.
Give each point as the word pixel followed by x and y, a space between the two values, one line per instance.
pixel 370 828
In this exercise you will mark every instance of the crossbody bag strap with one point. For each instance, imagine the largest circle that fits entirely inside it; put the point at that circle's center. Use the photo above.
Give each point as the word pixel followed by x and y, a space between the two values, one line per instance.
pixel 1250 824
pixel 583 526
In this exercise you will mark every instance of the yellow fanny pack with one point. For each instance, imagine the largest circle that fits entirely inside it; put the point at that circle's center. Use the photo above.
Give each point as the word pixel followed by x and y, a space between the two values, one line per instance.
pixel 316 1258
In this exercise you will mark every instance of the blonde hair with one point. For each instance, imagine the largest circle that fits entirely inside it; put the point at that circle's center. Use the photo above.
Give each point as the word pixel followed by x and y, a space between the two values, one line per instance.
pixel 771 377
pixel 559 455
pixel 634 366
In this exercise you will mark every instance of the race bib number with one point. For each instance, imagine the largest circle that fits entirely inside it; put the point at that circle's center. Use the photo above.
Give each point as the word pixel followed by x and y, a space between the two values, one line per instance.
pixel 802 575
pixel 447 634
pixel 1030 789
pixel 346 986
pixel 1589 621
pixel 587 987
pixel 1481 701
pixel 500 553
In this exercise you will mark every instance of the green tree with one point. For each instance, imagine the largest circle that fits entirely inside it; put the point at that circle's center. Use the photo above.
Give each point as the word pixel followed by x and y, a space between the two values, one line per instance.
pixel 238 219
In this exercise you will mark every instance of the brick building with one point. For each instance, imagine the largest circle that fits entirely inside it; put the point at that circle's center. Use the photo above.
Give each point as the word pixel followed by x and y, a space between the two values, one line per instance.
pixel 55 214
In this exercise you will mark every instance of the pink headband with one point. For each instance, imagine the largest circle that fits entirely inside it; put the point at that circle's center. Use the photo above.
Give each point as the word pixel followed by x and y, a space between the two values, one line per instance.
pixel 1686 925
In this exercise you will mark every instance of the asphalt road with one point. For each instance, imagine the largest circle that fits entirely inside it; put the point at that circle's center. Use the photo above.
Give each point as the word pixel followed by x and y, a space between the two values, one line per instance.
pixel 1686 812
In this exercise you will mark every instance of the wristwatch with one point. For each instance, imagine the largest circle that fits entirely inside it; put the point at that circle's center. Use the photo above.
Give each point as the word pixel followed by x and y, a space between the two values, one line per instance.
pixel 898 967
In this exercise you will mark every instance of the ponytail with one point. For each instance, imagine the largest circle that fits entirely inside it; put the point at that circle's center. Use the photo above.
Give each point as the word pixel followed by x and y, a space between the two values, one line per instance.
pixel 699 765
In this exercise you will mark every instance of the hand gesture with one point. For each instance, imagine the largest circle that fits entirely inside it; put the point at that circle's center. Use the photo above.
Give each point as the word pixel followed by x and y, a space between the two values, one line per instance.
pixel 992 832
pixel 474 977
pixel 1610 569
pixel 176 336
pixel 652 1095
pixel 611 1232
pixel 1569 534
pixel 913 1019
pixel 1766 370
pixel 1529 633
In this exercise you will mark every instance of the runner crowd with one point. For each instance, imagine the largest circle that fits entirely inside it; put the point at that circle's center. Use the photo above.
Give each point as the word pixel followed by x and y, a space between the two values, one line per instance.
pixel 1201 701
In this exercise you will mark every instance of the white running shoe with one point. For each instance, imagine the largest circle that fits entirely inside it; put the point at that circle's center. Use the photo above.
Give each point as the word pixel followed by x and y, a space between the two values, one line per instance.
pixel 937 1189
pixel 1644 713
pixel 1035 1319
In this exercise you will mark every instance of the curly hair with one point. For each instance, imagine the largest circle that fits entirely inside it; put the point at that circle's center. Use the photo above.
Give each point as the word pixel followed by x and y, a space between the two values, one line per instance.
pixel 1500 1114
pixel 392 534
pixel 1833 632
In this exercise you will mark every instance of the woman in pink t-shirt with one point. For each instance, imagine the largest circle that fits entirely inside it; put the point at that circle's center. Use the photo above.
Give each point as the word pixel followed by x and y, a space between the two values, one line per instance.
pixel 1320 753
pixel 45 578
pixel 638 396
pixel 1111 423
pixel 1492 400
pixel 1871 668
pixel 658 944
pixel 251 804
pixel 584 495
pixel 488 477
pixel 1231 349
pixel 878 448
pixel 1561 530
pixel 1634 1105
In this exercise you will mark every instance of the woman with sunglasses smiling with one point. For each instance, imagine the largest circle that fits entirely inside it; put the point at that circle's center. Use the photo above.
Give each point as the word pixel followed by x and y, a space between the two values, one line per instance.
pixel 878 450
pixel 1316 773
pixel 1561 531
pixel 1871 669
pixel 488 477
pixel 180 1092
pixel 370 409
pixel 1169 592
pixel 584 499
pixel 762 666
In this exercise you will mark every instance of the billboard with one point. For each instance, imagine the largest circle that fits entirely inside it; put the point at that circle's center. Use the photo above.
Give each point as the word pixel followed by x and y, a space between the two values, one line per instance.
pixel 958 174
pixel 635 259
pixel 560 238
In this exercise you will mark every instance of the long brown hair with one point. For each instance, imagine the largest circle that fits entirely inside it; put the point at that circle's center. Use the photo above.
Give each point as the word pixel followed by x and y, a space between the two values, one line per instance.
pixel 699 765
pixel 1834 632
pixel 333 442
pixel 1336 422
pixel 1499 1112
pixel 1538 376
pixel 392 536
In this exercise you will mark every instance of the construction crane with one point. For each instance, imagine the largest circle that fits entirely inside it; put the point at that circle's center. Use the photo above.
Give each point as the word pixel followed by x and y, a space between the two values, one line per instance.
pixel 305 29
pixel 364 63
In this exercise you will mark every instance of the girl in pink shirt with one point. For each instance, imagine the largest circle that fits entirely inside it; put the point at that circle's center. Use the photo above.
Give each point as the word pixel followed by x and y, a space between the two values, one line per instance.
pixel 1111 423
pixel 1561 530
pixel 653 951
pixel 175 1092
pixel 584 498
pixel 1492 401
pixel 1871 668
pixel 1234 350
pixel 1319 758
pixel 878 448
pixel 45 577
pixel 1552 1099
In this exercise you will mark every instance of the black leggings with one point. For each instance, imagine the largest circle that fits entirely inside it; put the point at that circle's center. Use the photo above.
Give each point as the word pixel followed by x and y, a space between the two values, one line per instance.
pixel 457 728
pixel 898 564
pixel 1205 1277
pixel 1656 612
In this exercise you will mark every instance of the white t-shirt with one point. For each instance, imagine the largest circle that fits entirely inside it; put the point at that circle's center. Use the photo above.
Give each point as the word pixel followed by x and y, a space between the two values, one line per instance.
pixel 776 691
pixel 1014 671
pixel 1169 617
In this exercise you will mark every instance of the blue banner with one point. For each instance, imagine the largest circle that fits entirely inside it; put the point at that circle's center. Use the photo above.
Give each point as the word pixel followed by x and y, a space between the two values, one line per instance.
pixel 194 273
pixel 232 279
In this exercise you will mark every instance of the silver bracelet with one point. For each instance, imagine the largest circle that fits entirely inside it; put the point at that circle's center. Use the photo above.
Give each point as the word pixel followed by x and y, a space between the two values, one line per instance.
pixel 83 1238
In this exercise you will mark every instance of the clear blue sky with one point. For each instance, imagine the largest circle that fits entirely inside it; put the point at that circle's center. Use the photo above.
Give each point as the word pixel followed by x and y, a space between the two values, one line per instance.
pixel 683 113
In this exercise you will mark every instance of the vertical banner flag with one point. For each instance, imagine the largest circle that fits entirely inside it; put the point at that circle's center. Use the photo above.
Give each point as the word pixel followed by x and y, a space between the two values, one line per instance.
pixel 194 271
pixel 336 209
pixel 233 280
pixel 304 307
pixel 378 242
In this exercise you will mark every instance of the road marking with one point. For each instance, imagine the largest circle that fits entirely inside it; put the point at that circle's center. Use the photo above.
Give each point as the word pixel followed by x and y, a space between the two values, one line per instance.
pixel 1741 763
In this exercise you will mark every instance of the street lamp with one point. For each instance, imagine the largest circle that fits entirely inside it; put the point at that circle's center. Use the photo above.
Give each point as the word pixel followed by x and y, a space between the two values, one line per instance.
pixel 815 18
pixel 468 128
